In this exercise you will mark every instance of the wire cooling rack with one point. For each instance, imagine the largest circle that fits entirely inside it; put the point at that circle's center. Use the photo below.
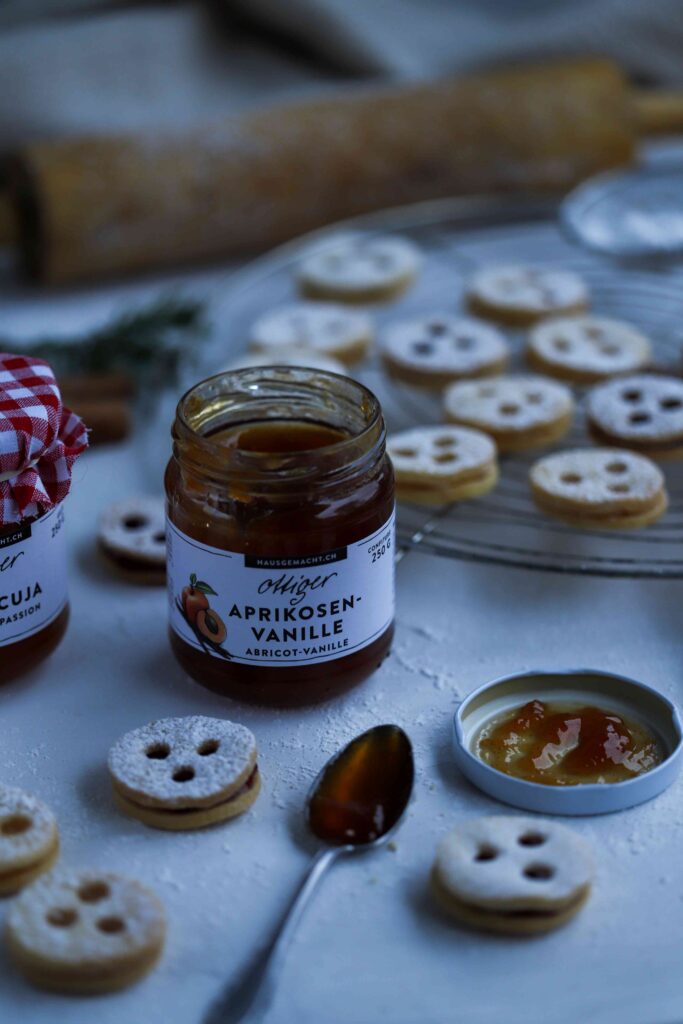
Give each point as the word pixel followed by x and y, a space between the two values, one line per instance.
pixel 456 237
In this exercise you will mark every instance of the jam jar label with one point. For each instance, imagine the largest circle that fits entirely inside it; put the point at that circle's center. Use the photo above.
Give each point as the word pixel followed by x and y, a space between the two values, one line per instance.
pixel 270 610
pixel 33 583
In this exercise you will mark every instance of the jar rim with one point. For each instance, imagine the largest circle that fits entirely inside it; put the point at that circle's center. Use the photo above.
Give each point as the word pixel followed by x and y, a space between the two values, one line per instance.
pixel 244 383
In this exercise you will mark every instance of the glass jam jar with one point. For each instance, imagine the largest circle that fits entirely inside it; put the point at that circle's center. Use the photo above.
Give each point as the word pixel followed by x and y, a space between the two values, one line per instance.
pixel 280 504
pixel 39 442
pixel 34 609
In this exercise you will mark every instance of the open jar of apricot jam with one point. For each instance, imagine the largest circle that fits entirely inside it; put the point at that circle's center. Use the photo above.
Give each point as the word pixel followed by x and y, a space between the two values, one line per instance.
pixel 39 442
pixel 280 534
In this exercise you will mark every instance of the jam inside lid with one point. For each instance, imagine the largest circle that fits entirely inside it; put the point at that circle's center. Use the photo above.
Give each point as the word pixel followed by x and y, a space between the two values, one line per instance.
pixel 567 744
pixel 39 439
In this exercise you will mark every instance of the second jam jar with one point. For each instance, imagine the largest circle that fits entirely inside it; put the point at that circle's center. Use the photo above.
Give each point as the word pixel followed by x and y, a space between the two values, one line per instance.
pixel 280 504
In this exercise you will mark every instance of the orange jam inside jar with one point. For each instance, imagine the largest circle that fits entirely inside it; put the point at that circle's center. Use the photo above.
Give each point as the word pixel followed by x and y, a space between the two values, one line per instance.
pixel 39 442
pixel 567 744
pixel 280 504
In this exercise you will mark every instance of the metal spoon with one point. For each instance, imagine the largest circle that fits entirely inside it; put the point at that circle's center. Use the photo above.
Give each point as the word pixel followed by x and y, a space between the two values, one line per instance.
pixel 355 805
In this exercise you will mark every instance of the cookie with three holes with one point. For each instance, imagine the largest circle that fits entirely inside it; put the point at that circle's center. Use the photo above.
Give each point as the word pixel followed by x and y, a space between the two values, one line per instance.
pixel 85 932
pixel 324 328
pixel 185 773
pixel 599 488
pixel 132 536
pixel 587 349
pixel 518 412
pixel 515 875
pixel 643 412
pixel 437 465
pixel 29 839
pixel 519 295
pixel 435 350
pixel 359 268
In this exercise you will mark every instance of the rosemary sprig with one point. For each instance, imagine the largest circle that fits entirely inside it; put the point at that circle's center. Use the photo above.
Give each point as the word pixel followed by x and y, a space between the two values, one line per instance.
pixel 148 343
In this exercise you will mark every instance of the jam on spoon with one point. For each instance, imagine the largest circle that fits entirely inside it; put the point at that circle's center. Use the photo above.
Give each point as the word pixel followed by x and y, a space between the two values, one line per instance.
pixel 356 803
pixel 363 791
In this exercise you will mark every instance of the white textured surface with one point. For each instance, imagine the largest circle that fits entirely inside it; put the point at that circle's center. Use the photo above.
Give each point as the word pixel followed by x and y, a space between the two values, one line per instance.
pixel 372 947
pixel 508 403
pixel 152 780
pixel 501 881
pixel 443 343
pixel 378 949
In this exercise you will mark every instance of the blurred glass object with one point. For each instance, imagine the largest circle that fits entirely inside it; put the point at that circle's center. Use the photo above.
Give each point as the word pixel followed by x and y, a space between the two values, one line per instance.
pixel 629 214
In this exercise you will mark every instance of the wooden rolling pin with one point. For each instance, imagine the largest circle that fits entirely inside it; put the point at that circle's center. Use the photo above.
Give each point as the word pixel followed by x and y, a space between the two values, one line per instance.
pixel 89 207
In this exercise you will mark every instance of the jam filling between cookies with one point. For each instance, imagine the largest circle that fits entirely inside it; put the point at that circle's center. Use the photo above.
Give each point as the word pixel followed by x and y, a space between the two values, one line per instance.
pixel 567 744
pixel 244 788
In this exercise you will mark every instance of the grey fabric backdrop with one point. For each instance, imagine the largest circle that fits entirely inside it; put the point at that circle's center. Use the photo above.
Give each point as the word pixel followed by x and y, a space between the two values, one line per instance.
pixel 88 65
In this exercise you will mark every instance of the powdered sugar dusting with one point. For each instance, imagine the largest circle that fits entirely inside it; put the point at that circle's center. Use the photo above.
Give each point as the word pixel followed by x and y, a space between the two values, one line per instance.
pixel 356 263
pixel 501 880
pixel 86 918
pixel 323 327
pixel 528 289
pixel 598 476
pixel 640 407
pixel 439 452
pixel 509 403
pixel 444 343
pixel 182 762
pixel 27 828
pixel 590 344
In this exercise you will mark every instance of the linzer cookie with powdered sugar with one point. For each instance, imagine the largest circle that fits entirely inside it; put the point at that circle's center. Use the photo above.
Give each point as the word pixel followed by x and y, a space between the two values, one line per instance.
pixel 185 773
pixel 599 488
pixel 518 412
pixel 85 932
pixel 519 295
pixel 437 349
pixel 132 536
pixel 29 840
pixel 323 328
pixel 587 349
pixel 436 465
pixel 360 268
pixel 510 874
pixel 643 412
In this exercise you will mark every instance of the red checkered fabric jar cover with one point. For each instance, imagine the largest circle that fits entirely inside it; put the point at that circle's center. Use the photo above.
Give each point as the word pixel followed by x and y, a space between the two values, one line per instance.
pixel 39 439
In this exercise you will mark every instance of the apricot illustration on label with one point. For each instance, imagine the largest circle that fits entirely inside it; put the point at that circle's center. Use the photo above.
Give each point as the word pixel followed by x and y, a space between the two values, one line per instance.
pixel 206 624
pixel 194 598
